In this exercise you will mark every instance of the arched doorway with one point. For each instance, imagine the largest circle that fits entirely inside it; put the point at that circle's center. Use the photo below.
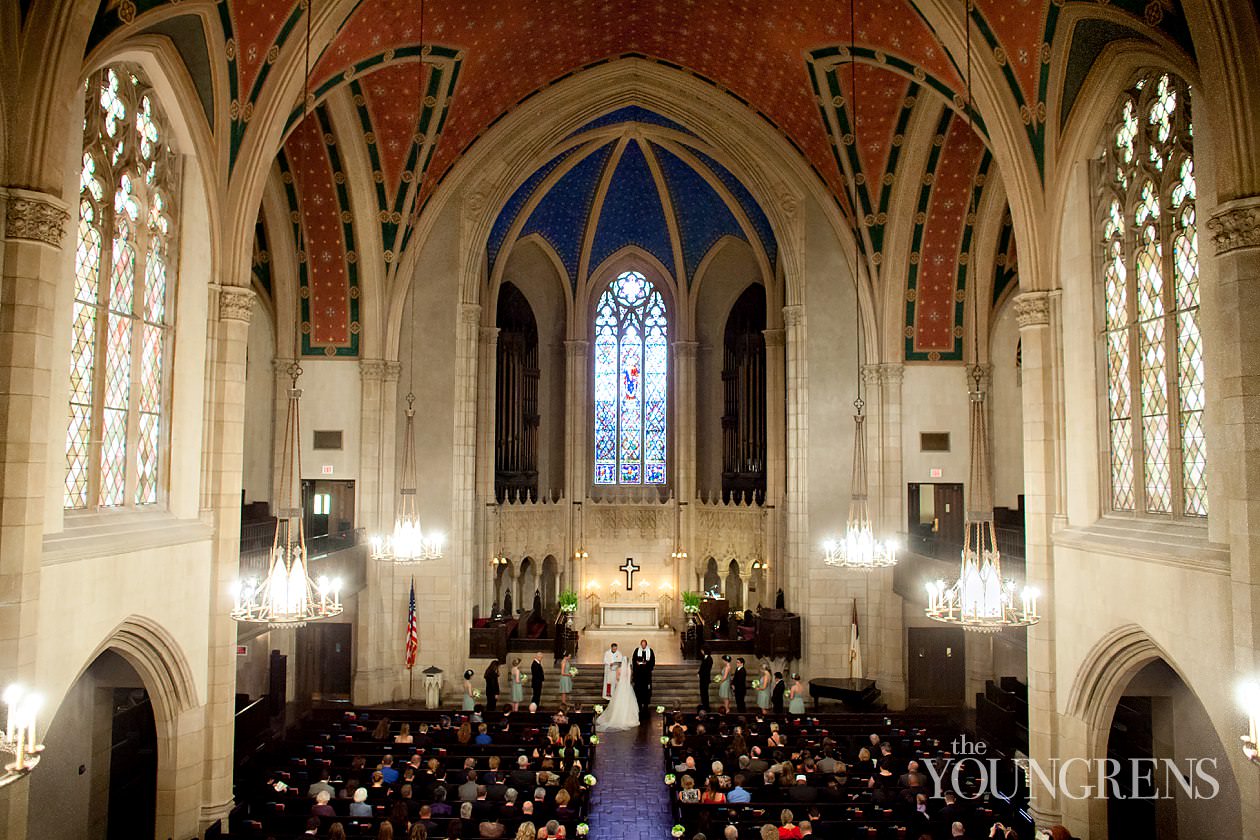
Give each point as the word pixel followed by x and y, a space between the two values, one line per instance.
pixel 734 586
pixel 1159 722
pixel 504 578
pixel 550 583
pixel 711 580
pixel 98 777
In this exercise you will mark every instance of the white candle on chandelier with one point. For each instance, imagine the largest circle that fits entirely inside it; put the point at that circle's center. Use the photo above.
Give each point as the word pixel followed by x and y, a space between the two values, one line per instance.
pixel 12 695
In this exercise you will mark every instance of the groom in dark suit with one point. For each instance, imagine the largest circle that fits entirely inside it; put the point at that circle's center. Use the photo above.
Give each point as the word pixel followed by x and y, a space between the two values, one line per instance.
pixel 641 665
pixel 536 677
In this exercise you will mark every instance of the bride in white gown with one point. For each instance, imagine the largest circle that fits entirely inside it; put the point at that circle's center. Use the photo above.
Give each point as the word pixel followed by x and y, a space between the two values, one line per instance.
pixel 622 711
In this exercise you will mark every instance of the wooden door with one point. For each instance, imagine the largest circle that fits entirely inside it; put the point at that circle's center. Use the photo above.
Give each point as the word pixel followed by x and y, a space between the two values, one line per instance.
pixel 937 669
pixel 949 514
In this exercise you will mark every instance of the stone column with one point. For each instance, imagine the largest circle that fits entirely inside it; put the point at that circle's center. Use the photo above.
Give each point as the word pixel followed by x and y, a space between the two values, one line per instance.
pixel 1033 313
pixel 371 493
pixel 792 573
pixel 892 483
pixel 575 432
pixel 280 379
pixel 376 509
pixel 487 372
pixel 684 437
pixel 1231 306
pixel 224 436
pixel 29 264
pixel 776 460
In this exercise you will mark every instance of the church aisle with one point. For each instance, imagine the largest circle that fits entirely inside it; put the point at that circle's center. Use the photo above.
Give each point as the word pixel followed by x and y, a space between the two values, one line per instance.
pixel 630 801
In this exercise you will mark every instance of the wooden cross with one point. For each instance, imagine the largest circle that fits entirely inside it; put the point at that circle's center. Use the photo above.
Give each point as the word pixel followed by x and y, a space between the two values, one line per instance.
pixel 629 568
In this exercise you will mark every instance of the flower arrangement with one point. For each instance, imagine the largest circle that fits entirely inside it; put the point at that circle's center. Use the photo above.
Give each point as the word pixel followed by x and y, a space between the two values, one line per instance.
pixel 524 679
pixel 660 710
pixel 678 831
pixel 756 683
pixel 599 709
pixel 594 739
pixel 670 778
pixel 476 693
pixel 691 602
pixel 717 679
pixel 582 829
pixel 573 671
pixel 588 780
pixel 568 601
pixel 664 740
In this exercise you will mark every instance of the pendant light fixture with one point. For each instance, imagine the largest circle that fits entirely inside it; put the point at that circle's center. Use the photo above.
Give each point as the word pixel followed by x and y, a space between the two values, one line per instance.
pixel 287 597
pixel 408 543
pixel 980 600
pixel 858 549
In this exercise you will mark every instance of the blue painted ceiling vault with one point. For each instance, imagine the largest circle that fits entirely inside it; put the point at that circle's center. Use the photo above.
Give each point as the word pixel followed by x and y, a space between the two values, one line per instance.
pixel 632 178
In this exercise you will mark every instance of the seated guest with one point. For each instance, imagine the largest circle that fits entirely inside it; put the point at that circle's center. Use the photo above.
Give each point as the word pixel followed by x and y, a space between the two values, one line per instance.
pixel 551 831
pixel 378 781
pixel 522 778
pixel 807 830
pixel 360 807
pixel 321 807
pixel 386 831
pixel 492 776
pixel 769 832
pixel 312 827
pixel 788 830
pixel 468 790
pixel 563 809
pixel 388 773
pixel 527 809
pixel 336 831
pixel 509 810
pixel 399 818
pixel 465 811
pixel 455 830
pixel 688 794
pixel 382 730
pixel 802 791
pixel 483 735
pixel 404 734
pixel 419 831
pixel 491 827
pixel 737 794
pixel 526 831
pixel 322 784
pixel 719 775
pixel 425 820
pixel 712 794
pixel 440 808
pixel 730 833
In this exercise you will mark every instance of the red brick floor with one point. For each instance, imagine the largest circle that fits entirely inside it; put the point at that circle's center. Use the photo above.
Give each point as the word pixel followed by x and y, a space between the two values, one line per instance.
pixel 630 801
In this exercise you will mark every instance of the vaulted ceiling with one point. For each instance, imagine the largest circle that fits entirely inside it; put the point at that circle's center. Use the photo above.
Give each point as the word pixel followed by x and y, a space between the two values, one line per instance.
pixel 787 60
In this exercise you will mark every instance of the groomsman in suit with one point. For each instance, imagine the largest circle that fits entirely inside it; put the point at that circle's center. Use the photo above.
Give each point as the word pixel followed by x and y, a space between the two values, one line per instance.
pixel 739 682
pixel 641 665
pixel 776 694
pixel 706 674
pixel 536 676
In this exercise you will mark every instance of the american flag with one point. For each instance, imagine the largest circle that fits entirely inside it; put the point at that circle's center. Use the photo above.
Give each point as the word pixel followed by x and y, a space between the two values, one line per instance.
pixel 413 637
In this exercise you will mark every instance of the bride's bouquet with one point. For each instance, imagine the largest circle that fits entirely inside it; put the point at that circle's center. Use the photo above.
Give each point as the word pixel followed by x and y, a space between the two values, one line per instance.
pixel 664 740
pixel 660 710
pixel 599 709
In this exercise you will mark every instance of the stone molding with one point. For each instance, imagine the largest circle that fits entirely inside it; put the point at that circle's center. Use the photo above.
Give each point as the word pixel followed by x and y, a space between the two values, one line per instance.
pixel 1032 309
pixel 236 303
pixel 393 370
pixel 1235 225
pixel 882 373
pixel 490 335
pixel 793 315
pixel 686 349
pixel 470 313
pixel 34 216
pixel 773 338
pixel 372 369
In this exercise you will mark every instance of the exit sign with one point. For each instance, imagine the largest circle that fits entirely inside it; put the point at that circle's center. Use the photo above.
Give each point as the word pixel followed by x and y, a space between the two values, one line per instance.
pixel 242 650
pixel 935 472
pixel 327 469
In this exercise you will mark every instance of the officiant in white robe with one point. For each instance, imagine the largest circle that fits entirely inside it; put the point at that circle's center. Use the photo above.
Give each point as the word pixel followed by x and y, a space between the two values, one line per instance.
pixel 612 658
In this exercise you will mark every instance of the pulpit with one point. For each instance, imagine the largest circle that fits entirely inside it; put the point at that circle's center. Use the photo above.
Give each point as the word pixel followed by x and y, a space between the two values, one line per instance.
pixel 713 610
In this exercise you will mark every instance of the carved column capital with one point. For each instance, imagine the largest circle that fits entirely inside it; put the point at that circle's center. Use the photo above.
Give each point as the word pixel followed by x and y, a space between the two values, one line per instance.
pixel 773 338
pixel 34 216
pixel 1235 225
pixel 490 335
pixel 280 365
pixel 576 348
pixel 470 313
pixel 892 373
pixel 872 375
pixel 236 303
pixel 1032 309
pixel 392 371
pixel 686 349
pixel 372 369
pixel 793 315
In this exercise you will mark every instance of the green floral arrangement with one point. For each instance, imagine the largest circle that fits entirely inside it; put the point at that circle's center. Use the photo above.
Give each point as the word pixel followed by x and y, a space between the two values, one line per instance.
pixel 678 831
pixel 664 740
pixel 594 739
pixel 524 679
pixel 588 780
pixel 717 679
pixel 573 671
pixel 756 683
pixel 691 602
pixel 582 829
pixel 599 710
pixel 476 693
pixel 670 778
pixel 660 710
pixel 568 601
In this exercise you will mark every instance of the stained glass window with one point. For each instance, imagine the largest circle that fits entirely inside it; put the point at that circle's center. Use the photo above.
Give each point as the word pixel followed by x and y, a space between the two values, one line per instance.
pixel 121 315
pixel 631 382
pixel 1152 347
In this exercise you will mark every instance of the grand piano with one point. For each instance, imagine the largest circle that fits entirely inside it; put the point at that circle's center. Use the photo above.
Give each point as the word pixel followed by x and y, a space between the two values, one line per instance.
pixel 857 695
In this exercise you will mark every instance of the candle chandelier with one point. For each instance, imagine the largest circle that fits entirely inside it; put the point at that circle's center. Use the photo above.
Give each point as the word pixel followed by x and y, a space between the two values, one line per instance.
pixel 287 597
pixel 1249 699
pixel 859 548
pixel 981 599
pixel 18 741
pixel 408 543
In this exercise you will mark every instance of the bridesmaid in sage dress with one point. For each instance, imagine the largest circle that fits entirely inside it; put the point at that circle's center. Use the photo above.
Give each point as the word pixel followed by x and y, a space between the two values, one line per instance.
pixel 566 681
pixel 724 684
pixel 518 690
pixel 468 691
pixel 763 689
pixel 796 697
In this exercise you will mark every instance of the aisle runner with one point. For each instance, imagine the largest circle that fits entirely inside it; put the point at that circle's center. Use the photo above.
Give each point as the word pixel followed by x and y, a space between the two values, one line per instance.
pixel 630 800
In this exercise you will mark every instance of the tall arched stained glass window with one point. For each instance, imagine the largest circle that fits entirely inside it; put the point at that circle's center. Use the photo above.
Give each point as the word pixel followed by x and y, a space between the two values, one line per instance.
pixel 631 382
pixel 1152 346
pixel 124 276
